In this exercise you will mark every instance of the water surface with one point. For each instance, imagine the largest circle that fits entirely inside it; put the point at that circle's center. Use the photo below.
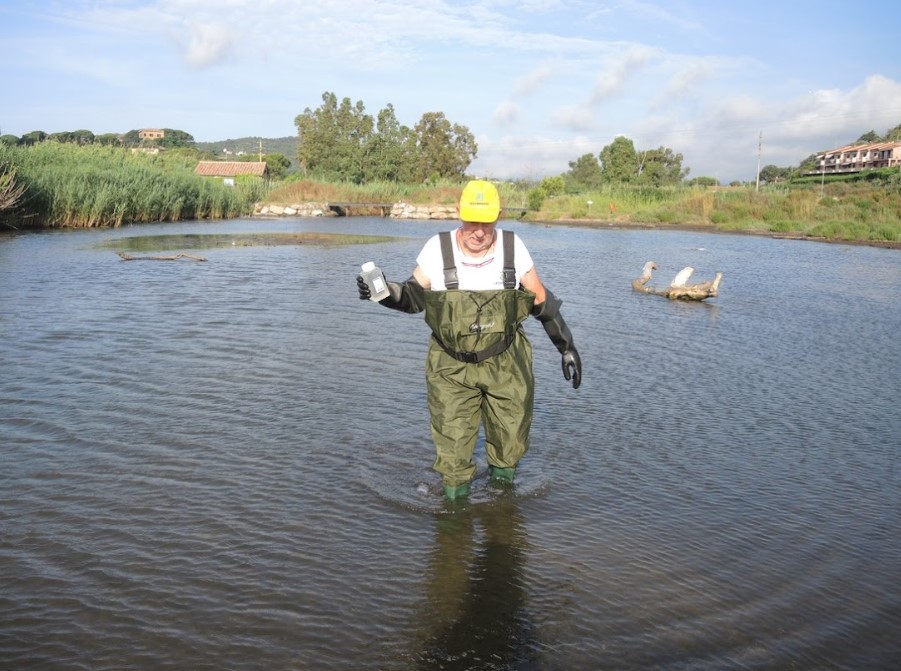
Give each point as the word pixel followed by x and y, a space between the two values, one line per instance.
pixel 226 465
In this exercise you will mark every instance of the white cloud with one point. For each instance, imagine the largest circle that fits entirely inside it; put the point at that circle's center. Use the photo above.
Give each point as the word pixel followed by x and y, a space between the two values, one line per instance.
pixel 684 82
pixel 574 118
pixel 506 113
pixel 533 81
pixel 616 73
pixel 528 156
pixel 209 44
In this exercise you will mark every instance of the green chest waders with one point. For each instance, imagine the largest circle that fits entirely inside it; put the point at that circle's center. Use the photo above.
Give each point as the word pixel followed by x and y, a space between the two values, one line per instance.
pixel 479 371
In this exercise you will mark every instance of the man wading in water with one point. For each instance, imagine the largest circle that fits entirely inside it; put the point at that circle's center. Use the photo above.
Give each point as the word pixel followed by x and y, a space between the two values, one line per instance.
pixel 477 286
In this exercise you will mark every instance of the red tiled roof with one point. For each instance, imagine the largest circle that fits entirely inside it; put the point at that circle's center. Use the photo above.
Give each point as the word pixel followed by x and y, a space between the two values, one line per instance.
pixel 876 146
pixel 231 168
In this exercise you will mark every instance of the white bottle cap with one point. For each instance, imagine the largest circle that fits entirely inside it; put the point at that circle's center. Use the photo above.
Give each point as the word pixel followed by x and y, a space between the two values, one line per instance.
pixel 369 265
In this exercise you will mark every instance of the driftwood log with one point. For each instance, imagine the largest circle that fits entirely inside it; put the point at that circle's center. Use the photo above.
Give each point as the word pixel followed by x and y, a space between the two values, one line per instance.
pixel 128 257
pixel 679 289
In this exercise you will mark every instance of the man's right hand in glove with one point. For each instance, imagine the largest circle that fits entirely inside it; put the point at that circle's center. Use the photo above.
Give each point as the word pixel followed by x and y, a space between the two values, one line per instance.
pixel 403 296
pixel 363 288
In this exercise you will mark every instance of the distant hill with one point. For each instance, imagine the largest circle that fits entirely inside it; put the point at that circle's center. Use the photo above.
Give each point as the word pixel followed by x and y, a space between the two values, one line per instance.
pixel 251 145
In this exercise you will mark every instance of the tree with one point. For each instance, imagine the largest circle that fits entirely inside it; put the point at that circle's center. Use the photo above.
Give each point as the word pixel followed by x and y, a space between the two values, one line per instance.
pixel 894 135
pixel 809 164
pixel 332 139
pixel 173 139
pixel 278 165
pixel 73 137
pixel 386 151
pixel 113 139
pixel 343 142
pixel 772 173
pixel 33 137
pixel 553 186
pixel 536 197
pixel 869 137
pixel 619 161
pixel 584 173
pixel 662 167
pixel 354 128
pixel 442 149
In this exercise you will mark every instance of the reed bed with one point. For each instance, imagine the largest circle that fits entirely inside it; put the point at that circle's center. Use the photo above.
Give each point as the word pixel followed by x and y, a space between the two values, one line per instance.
pixel 67 185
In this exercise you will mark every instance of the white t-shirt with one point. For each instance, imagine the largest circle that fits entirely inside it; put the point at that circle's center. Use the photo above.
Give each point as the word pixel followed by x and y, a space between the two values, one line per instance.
pixel 479 274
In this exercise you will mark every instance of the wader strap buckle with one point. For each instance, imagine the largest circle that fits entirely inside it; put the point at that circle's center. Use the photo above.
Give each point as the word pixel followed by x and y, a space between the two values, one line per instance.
pixel 509 266
pixel 481 355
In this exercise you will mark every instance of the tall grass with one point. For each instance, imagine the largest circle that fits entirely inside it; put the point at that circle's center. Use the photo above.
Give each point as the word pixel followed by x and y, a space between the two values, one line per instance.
pixel 73 186
pixel 310 190
pixel 841 211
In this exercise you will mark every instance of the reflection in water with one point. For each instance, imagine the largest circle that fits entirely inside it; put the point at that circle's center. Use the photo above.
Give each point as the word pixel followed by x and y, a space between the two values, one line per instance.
pixel 475 615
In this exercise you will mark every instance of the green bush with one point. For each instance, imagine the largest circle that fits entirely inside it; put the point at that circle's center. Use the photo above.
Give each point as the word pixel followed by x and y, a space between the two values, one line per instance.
pixel 536 198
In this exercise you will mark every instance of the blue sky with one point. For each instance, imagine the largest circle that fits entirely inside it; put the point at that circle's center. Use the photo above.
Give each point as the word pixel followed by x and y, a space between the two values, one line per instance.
pixel 538 82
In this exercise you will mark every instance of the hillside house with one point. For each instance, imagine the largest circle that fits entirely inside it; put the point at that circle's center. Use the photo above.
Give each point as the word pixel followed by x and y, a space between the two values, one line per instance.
pixel 151 134
pixel 228 170
pixel 854 158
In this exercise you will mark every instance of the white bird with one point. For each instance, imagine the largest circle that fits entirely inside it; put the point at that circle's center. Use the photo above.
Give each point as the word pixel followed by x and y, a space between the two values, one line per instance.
pixel 679 289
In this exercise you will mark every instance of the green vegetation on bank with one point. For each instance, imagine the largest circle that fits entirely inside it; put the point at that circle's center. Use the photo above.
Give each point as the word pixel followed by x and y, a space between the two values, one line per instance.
pixel 64 184
pixel 836 211
pixel 864 210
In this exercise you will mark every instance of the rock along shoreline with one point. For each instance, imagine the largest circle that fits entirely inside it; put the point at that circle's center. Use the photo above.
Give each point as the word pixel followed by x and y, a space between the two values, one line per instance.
pixel 397 211
pixel 449 212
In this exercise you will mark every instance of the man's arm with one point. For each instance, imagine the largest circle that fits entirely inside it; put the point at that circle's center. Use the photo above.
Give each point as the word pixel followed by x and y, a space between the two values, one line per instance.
pixel 420 276
pixel 547 310
pixel 531 282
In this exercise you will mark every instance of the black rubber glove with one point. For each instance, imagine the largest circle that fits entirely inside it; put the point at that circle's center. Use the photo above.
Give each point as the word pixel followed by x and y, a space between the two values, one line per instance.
pixel 572 367
pixel 548 313
pixel 363 288
pixel 403 296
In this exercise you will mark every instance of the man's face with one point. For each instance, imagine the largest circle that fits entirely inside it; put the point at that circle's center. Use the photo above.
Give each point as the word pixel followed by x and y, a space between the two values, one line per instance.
pixel 476 238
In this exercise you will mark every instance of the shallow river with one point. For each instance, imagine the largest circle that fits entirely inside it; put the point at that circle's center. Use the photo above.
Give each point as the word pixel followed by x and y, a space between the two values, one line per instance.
pixel 227 465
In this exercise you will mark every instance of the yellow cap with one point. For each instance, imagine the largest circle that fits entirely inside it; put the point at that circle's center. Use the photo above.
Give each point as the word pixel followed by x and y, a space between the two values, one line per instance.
pixel 480 203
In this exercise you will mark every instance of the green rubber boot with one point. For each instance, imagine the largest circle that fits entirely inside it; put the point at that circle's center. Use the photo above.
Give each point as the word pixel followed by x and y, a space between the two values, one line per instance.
pixel 454 492
pixel 501 474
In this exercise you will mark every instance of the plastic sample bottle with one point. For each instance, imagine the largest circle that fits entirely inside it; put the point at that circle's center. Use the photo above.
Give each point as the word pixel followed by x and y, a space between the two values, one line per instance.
pixel 375 280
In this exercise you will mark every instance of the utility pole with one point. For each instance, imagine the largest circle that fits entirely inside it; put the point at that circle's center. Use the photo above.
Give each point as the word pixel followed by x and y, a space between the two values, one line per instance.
pixel 823 175
pixel 759 149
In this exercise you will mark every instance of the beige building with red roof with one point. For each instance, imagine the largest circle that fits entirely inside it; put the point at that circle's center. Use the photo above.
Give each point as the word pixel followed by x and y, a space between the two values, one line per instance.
pixel 854 158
